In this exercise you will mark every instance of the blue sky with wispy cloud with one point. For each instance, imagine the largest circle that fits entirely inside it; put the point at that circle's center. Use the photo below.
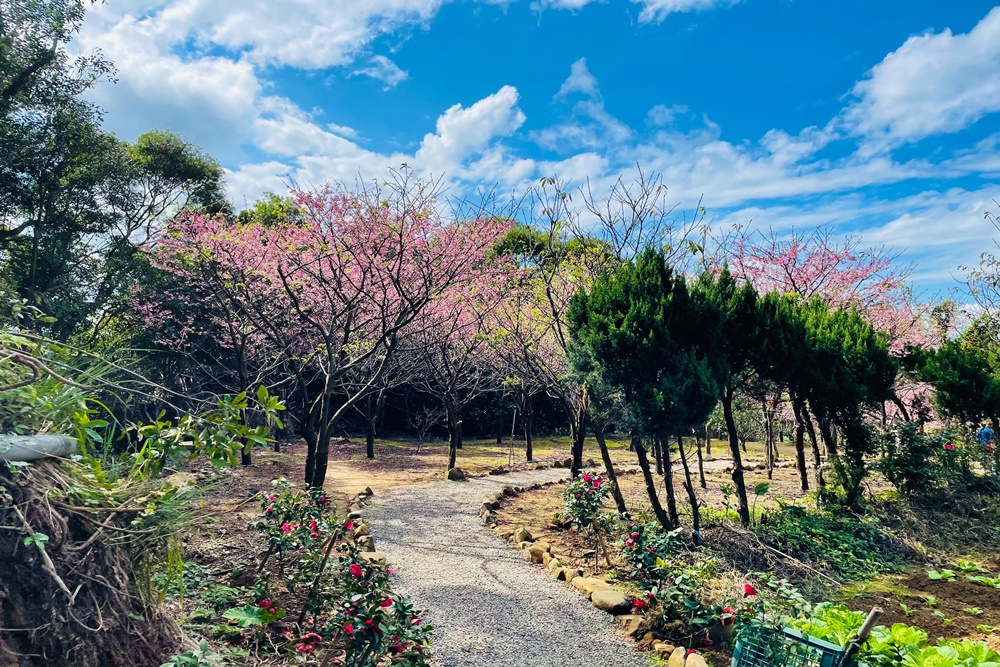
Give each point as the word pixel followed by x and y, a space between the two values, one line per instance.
pixel 879 117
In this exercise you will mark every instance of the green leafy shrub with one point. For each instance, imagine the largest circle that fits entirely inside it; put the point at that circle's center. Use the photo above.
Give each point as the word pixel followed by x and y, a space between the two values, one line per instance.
pixel 898 646
pixel 853 546
pixel 199 658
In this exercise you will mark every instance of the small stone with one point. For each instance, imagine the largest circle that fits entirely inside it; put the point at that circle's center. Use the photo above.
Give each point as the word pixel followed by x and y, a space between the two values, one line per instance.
pixel 361 531
pixel 369 492
pixel 518 489
pixel 488 518
pixel 569 574
pixel 588 553
pixel 523 545
pixel 695 660
pixel 663 650
pixel 491 503
pixel 557 464
pixel 568 463
pixel 522 534
pixel 508 491
pixel 553 565
pixel 628 624
pixel 376 557
pixel 678 657
pixel 456 474
pixel 366 543
pixel 354 515
pixel 591 463
pixel 612 601
pixel 506 532
pixel 587 585
pixel 536 552
pixel 498 471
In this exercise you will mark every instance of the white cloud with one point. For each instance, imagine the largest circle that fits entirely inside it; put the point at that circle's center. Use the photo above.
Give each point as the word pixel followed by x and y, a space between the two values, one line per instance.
pixel 462 132
pixel 932 84
pixel 580 80
pixel 657 10
pixel 539 5
pixel 383 69
pixel 662 115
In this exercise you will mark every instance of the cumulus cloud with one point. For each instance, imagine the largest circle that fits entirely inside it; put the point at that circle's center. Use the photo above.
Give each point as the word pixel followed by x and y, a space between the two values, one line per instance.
pixel 462 132
pixel 934 83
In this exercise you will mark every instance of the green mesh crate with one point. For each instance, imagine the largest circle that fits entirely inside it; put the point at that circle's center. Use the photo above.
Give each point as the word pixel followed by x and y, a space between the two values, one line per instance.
pixel 764 647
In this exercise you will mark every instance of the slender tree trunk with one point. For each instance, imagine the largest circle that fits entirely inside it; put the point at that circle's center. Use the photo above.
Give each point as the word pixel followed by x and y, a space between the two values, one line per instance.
pixel 701 464
pixel 579 433
pixel 708 442
pixel 668 478
pixel 528 423
pixel 734 449
pixel 454 432
pixel 814 443
pixel 658 456
pixel 370 416
pixel 647 476
pixel 768 441
pixel 609 468
pixel 800 446
pixel 307 429
pixel 689 486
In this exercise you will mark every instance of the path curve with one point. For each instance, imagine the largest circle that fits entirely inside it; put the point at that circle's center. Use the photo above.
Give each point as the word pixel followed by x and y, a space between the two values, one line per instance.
pixel 489 608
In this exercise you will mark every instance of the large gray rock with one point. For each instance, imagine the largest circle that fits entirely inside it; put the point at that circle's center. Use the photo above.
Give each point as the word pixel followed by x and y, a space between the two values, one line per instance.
pixel 612 602
pixel 587 585
pixel 456 474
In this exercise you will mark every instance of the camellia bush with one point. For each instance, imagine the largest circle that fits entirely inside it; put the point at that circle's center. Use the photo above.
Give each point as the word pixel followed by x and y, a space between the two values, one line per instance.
pixel 585 498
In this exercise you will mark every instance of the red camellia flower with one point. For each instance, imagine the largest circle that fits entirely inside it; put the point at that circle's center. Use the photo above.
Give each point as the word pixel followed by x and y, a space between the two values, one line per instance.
pixel 305 648
pixel 270 508
pixel 691 650
pixel 728 616
pixel 587 477
pixel 749 590
pixel 386 603
pixel 272 497
pixel 949 446
pixel 349 629
pixel 628 543
pixel 264 604
pixel 369 622
pixel 287 527
pixel 634 536
pixel 356 570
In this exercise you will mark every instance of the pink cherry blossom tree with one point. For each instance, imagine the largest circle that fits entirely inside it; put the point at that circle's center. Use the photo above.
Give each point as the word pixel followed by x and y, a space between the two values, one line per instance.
pixel 334 292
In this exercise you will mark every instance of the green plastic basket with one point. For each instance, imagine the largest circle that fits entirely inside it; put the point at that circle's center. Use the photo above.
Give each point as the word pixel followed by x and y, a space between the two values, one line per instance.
pixel 765 647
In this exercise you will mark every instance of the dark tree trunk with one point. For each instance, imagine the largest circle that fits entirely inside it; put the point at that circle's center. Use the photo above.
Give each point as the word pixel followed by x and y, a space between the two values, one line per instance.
pixel 800 444
pixel 647 476
pixel 689 486
pixel 668 479
pixel 528 422
pixel 768 441
pixel 609 468
pixel 658 456
pixel 579 432
pixel 701 464
pixel 734 449
pixel 370 416
pixel 307 429
pixel 454 432
pixel 814 443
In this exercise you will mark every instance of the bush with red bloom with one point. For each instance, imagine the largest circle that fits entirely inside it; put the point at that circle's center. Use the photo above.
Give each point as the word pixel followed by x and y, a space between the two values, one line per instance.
pixel 748 589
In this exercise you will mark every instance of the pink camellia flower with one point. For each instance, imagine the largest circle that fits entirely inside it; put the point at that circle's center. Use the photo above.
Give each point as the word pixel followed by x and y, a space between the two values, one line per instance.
pixel 305 648
pixel 271 497
pixel 349 525
pixel 386 603
pixel 270 508
pixel 356 570
pixel 587 477
pixel 629 543
pixel 287 527
pixel 949 446
pixel 349 629
pixel 749 590
pixel 389 570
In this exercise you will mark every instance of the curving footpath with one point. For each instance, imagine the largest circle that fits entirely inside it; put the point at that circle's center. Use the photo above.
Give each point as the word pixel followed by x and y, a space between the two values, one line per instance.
pixel 489 608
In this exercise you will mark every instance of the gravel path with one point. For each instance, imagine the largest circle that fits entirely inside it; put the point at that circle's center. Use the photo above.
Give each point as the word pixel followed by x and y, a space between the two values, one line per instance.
pixel 489 608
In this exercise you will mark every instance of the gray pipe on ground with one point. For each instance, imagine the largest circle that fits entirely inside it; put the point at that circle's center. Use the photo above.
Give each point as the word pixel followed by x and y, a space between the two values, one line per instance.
pixel 34 447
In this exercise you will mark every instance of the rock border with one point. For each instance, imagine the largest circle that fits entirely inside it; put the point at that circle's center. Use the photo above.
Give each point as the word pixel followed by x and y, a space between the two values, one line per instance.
pixel 608 598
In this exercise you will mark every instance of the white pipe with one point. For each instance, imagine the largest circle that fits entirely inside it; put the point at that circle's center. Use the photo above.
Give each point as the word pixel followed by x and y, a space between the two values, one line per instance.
pixel 34 447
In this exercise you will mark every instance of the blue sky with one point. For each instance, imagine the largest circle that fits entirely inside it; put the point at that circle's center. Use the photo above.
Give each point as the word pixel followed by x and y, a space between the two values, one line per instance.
pixel 877 117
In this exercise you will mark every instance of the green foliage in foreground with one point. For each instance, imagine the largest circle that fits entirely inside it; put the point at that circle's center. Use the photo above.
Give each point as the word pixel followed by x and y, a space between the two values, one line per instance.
pixel 896 646
pixel 853 546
